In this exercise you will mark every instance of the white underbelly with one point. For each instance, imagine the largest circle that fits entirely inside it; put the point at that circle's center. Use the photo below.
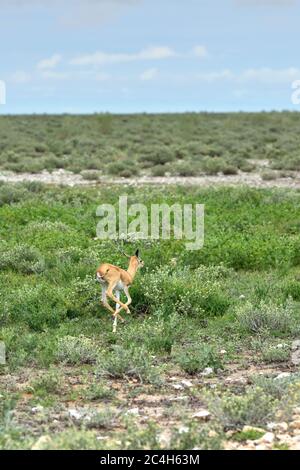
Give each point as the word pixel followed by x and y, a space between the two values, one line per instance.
pixel 120 286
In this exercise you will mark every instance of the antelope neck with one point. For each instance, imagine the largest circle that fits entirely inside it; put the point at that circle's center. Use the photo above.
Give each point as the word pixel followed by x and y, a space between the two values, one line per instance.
pixel 132 269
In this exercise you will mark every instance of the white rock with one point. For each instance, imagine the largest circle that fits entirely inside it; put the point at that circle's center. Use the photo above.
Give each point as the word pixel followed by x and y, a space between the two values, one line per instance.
pixel 177 386
pixel 181 398
pixel 203 415
pixel 76 414
pixel 278 427
pixel 296 344
pixel 183 429
pixel 283 375
pixel 133 411
pixel 187 383
pixel 268 438
pixel 223 351
pixel 37 409
pixel 207 371
pixel 295 357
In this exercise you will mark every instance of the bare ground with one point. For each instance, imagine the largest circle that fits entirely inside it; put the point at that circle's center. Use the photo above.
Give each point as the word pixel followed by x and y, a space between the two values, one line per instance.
pixel 66 178
pixel 169 406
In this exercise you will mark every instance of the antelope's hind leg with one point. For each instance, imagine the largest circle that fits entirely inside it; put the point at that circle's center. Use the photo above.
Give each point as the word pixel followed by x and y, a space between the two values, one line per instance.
pixel 110 294
pixel 104 301
pixel 116 311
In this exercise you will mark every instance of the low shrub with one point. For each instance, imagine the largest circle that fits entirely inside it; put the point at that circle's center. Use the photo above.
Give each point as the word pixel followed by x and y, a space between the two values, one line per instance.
pixel 38 307
pixel 277 387
pixel 157 155
pixel 50 382
pixel 192 436
pixel 124 363
pixel 277 319
pixel 72 439
pixel 269 175
pixel 76 350
pixel 196 357
pixel 158 170
pixel 253 408
pixel 10 194
pixel 196 293
pixel 23 259
pixel 104 419
pixel 90 175
pixel 274 354
pixel 291 288
pixel 99 391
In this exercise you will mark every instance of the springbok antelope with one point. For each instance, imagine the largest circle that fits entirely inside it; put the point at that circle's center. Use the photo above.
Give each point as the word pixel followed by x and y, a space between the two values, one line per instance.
pixel 113 280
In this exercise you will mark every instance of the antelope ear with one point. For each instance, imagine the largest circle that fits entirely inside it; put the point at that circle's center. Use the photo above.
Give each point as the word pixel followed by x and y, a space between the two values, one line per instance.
pixel 137 253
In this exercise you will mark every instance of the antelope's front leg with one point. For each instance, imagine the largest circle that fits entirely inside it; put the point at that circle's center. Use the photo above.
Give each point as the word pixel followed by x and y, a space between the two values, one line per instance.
pixel 129 299
pixel 110 294
pixel 106 304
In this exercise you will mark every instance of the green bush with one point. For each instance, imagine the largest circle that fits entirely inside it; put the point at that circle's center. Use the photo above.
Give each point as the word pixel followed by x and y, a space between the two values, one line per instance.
pixel 129 363
pixel 274 354
pixel 99 391
pixel 213 166
pixel 196 357
pixel 196 437
pixel 38 306
pixel 90 175
pixel 276 387
pixel 291 288
pixel 23 259
pixel 158 170
pixel 268 175
pixel 76 350
pixel 50 382
pixel 198 293
pixel 253 408
pixel 72 439
pixel 268 317
pixel 157 155
pixel 10 194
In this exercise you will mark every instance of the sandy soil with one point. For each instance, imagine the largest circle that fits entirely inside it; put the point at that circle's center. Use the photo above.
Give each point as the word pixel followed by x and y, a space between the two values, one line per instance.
pixel 62 177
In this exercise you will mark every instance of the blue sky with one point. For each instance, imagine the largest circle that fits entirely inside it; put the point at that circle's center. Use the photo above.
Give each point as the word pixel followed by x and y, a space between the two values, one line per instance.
pixel 84 56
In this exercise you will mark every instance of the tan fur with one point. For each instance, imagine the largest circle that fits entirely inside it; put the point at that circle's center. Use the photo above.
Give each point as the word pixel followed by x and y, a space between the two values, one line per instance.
pixel 112 278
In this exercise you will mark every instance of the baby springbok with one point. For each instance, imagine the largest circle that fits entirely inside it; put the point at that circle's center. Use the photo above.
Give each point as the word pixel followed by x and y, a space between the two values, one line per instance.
pixel 114 280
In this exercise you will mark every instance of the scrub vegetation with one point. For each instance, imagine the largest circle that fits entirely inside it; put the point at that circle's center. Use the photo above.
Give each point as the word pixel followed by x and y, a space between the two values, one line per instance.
pixel 211 329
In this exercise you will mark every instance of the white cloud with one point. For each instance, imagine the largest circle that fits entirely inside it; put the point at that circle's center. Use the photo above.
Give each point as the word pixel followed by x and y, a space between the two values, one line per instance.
pixel 100 58
pixel 49 63
pixel 55 75
pixel 21 77
pixel 263 75
pixel 268 75
pixel 200 51
pixel 215 76
pixel 149 74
